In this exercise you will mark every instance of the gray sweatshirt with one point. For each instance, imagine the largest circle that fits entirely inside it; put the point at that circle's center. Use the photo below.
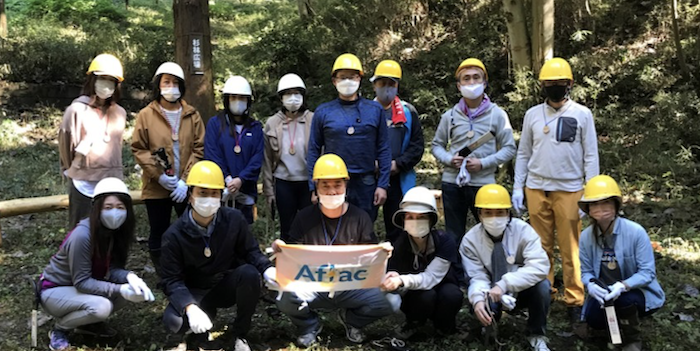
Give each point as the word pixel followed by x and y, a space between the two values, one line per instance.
pixel 451 136
pixel 72 266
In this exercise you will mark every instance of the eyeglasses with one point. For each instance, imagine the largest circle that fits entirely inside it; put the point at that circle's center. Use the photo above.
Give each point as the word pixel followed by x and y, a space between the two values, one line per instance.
pixel 350 77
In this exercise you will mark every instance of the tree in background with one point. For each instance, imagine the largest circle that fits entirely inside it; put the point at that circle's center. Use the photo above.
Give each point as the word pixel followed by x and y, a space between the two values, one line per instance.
pixel 529 49
pixel 3 20
pixel 193 53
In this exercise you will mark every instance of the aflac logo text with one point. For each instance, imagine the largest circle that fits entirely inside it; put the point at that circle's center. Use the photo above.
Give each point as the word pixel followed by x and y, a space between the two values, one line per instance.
pixel 328 273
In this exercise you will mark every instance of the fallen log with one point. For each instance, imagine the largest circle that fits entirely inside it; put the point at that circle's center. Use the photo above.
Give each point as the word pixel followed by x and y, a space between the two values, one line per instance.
pixel 30 205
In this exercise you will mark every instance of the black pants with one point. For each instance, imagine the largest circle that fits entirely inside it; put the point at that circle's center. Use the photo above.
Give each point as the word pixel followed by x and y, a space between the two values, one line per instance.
pixel 240 287
pixel 536 299
pixel 79 205
pixel 159 211
pixel 290 198
pixel 440 304
pixel 458 202
pixel 393 200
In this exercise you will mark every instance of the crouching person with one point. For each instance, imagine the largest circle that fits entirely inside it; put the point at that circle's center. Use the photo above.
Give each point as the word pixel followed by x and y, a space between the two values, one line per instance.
pixel 333 221
pixel 424 267
pixel 210 260
pixel 508 268
pixel 86 279
pixel 617 263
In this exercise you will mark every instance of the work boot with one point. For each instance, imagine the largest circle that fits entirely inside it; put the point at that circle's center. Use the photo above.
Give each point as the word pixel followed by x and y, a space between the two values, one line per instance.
pixel 354 334
pixel 538 343
pixel 630 328
pixel 407 330
pixel 307 340
pixel 240 344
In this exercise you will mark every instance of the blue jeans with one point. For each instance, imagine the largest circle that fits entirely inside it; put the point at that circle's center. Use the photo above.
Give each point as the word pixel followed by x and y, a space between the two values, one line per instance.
pixel 536 299
pixel 360 192
pixel 595 316
pixel 290 198
pixel 363 307
pixel 458 202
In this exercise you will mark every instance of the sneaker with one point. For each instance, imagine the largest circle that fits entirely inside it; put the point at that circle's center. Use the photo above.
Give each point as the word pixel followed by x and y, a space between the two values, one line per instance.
pixel 100 330
pixel 538 343
pixel 407 330
pixel 309 339
pixel 58 339
pixel 354 334
pixel 635 346
pixel 241 344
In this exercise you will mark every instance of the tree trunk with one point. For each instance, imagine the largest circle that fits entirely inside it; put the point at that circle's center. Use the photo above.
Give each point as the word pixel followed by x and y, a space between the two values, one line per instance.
pixel 305 9
pixel 517 33
pixel 685 72
pixel 542 38
pixel 3 20
pixel 193 53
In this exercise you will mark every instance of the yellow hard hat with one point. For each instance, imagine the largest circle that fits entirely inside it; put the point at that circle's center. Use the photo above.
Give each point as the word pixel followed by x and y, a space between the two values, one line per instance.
pixel 387 69
pixel 556 69
pixel 206 174
pixel 106 65
pixel 599 188
pixel 347 61
pixel 330 166
pixel 472 62
pixel 492 196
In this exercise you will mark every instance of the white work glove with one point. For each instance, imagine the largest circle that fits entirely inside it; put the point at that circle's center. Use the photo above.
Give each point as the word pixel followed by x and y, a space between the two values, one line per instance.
pixel 168 182
pixel 139 286
pixel 270 277
pixel 225 195
pixel 180 193
pixel 615 291
pixel 518 201
pixel 306 296
pixel 463 177
pixel 508 302
pixel 597 292
pixel 129 294
pixel 199 321
pixel 228 180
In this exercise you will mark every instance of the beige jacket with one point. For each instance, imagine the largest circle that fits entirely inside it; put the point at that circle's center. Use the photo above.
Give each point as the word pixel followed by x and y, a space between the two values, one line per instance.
pixel 104 155
pixel 152 132
pixel 273 152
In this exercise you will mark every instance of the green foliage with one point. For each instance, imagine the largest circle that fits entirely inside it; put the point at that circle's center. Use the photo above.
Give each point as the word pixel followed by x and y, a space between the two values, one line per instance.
pixel 74 11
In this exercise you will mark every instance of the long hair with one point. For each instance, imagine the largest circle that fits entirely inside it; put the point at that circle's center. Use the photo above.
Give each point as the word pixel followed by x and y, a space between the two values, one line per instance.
pixel 89 90
pixel 227 121
pixel 155 92
pixel 122 237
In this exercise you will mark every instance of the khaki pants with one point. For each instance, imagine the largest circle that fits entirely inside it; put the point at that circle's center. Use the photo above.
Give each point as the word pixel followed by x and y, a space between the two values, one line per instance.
pixel 558 210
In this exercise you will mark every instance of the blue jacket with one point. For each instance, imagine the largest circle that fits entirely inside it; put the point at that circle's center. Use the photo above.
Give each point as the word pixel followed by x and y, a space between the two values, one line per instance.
pixel 218 147
pixel 634 256
pixel 370 141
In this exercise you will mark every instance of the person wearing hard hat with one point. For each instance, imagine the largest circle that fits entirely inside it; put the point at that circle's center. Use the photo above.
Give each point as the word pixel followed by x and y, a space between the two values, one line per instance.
pixel 558 151
pixel 90 135
pixel 87 280
pixel 353 128
pixel 168 139
pixel 466 168
pixel 506 265
pixel 285 176
pixel 333 221
pixel 405 139
pixel 234 141
pixel 617 263
pixel 211 260
pixel 424 268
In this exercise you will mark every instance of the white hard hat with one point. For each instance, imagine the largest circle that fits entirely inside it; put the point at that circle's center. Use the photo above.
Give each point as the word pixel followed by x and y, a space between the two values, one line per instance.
pixel 237 85
pixel 290 81
pixel 171 68
pixel 110 185
pixel 417 200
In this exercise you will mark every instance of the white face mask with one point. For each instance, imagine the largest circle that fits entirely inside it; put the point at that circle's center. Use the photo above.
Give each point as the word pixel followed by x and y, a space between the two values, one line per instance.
pixel 113 218
pixel 473 91
pixel 104 89
pixel 331 202
pixel 495 226
pixel 237 107
pixel 417 228
pixel 206 206
pixel 347 87
pixel 170 94
pixel 292 102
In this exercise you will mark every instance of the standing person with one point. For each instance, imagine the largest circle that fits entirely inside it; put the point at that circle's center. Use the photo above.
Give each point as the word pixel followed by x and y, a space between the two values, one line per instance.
pixel 90 136
pixel 353 128
pixel 473 117
pixel 170 124
pixel 405 139
pixel 506 265
pixel 234 141
pixel 211 261
pixel 285 176
pixel 86 280
pixel 333 221
pixel 424 267
pixel 558 151
pixel 617 253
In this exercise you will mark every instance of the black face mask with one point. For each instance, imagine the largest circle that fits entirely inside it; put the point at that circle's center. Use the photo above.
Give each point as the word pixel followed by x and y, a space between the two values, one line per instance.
pixel 556 93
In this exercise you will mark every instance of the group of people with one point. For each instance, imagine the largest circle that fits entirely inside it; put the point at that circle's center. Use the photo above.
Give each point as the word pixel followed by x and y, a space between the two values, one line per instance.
pixel 327 172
